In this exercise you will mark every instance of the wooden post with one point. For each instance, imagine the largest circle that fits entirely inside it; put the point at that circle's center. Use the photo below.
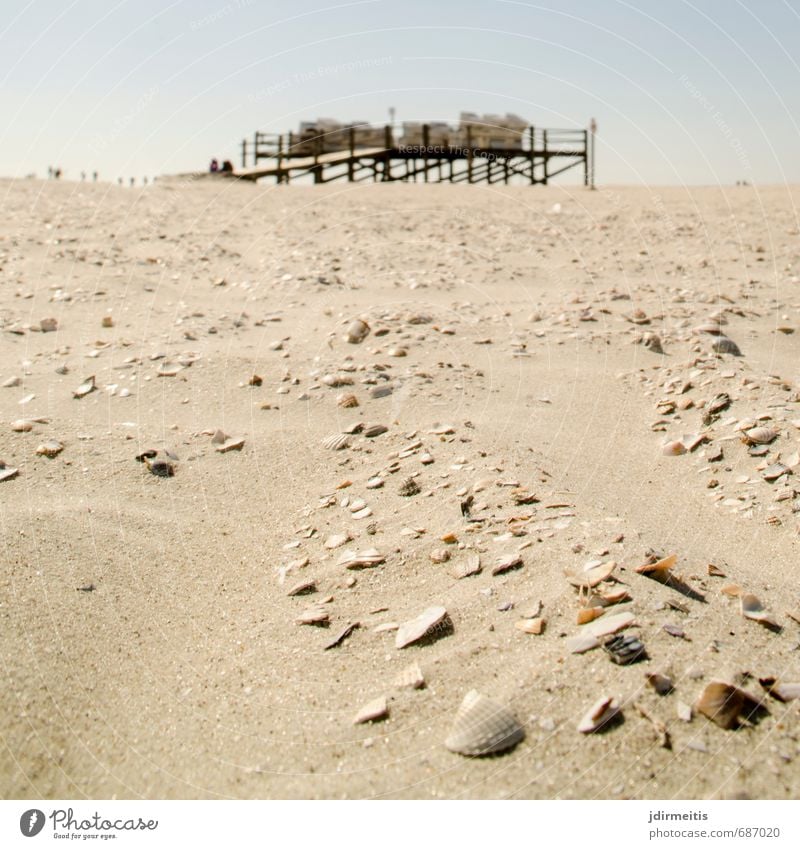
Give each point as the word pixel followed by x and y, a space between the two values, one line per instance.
pixel 280 159
pixel 532 154
pixel 585 157
pixel 505 170
pixel 426 138
pixel 544 164
pixel 469 154
pixel 244 153
pixel 387 157
pixel 351 161
pixel 317 166
pixel 255 148
pixel 592 133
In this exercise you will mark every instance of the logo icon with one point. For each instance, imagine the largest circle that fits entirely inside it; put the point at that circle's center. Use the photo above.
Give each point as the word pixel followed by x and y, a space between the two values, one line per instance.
pixel 31 822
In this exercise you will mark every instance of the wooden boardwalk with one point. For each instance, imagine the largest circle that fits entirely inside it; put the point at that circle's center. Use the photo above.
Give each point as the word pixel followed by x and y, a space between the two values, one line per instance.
pixel 351 154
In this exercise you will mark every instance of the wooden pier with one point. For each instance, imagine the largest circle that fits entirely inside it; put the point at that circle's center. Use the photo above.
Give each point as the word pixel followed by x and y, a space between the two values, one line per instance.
pixel 359 153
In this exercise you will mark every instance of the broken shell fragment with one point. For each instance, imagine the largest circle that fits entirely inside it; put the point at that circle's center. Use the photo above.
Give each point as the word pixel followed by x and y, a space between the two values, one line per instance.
pixel 483 727
pixel 347 400
pixel 410 677
pixel 469 566
pixel 430 625
pixel 531 626
pixel 160 468
pixel 51 448
pixel 673 448
pixel 22 426
pixel 409 487
pixel 373 711
pixel 303 588
pixel 361 559
pixel 589 614
pixel 6 472
pixel 752 608
pixel 230 444
pixel 48 325
pixel 662 684
pixel 780 691
pixel 610 624
pixel 660 567
pixel 371 431
pixel 725 345
pixel 439 555
pixel 592 577
pixel 726 705
pixel 85 388
pixel 601 713
pixel 507 563
pixel 316 615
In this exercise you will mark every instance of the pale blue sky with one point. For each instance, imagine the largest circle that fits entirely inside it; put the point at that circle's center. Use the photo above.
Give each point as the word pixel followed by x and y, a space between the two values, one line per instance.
pixel 683 92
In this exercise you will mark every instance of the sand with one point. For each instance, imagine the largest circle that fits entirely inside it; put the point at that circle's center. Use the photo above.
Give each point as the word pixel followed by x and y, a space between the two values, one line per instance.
pixel 149 647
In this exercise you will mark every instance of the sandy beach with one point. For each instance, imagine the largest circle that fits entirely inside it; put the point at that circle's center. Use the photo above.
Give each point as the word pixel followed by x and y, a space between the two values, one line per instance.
pixel 530 351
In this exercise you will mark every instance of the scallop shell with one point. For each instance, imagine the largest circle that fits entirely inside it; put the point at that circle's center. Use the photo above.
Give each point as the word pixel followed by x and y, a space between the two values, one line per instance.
pixel 760 435
pixel 725 704
pixel 660 567
pixel 600 714
pixel 430 625
pixel 347 400
pixel 51 448
pixel 85 388
pixel 464 568
pixel 361 559
pixel 357 331
pixel 483 727
pixel 336 442
pixel 752 608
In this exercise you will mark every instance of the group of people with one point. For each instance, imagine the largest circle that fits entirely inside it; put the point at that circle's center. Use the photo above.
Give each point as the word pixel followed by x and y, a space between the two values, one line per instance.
pixel 225 168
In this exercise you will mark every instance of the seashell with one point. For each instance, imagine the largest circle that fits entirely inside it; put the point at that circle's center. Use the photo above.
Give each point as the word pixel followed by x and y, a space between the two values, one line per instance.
pixel 588 614
pixel 336 442
pixel 255 380
pixel 357 332
pixel 660 683
pixel 11 382
pixel 623 650
pixel 582 643
pixel 759 435
pixel 674 448
pixel 347 400
pixel 464 568
pixel 439 555
pixel 218 437
pixel 355 427
pixel 48 325
pixel 107 321
pixel 361 559
pixel 507 563
pixel 409 487
pixel 85 388
pixel 341 635
pixel 375 483
pixel 381 391
pixel 592 577
pixel 773 472
pixel 684 712
pixel 724 345
pixel 531 626
pixel 483 727
pixel 337 380
pixel 652 341
pixel 726 705
pixel 609 597
pixel 718 403
pixel 363 513
pixel 397 352
pixel 430 625
pixel 600 714
pixel 373 711
pixel 660 567
pixel 410 677
pixel 426 459
pixel 51 448
pixel 316 615
pixel 230 444
pixel 303 588
pixel 780 691
pixel 22 426
pixel 690 441
pixel 168 370
pixel 335 540
pixel 752 608
pixel 711 327
pixel 6 472
pixel 610 624
pixel 160 468
pixel 372 431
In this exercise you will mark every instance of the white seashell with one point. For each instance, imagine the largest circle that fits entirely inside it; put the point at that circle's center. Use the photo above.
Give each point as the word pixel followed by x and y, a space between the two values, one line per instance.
pixel 507 563
pixel 582 643
pixel 592 577
pixel 357 332
pixel 335 540
pixel 11 382
pixel 430 625
pixel 780 691
pixel 85 388
pixel 7 473
pixel 411 677
pixel 336 442
pixel 372 712
pixel 375 483
pixel 22 426
pixel 600 713
pixel 230 444
pixel 610 624
pixel 470 566
pixel 483 727
pixel 361 559
pixel 51 448
pixel 760 435
pixel 660 567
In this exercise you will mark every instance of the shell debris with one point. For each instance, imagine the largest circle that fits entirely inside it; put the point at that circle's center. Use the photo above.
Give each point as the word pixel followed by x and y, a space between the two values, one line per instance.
pixel 432 624
pixel 483 727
